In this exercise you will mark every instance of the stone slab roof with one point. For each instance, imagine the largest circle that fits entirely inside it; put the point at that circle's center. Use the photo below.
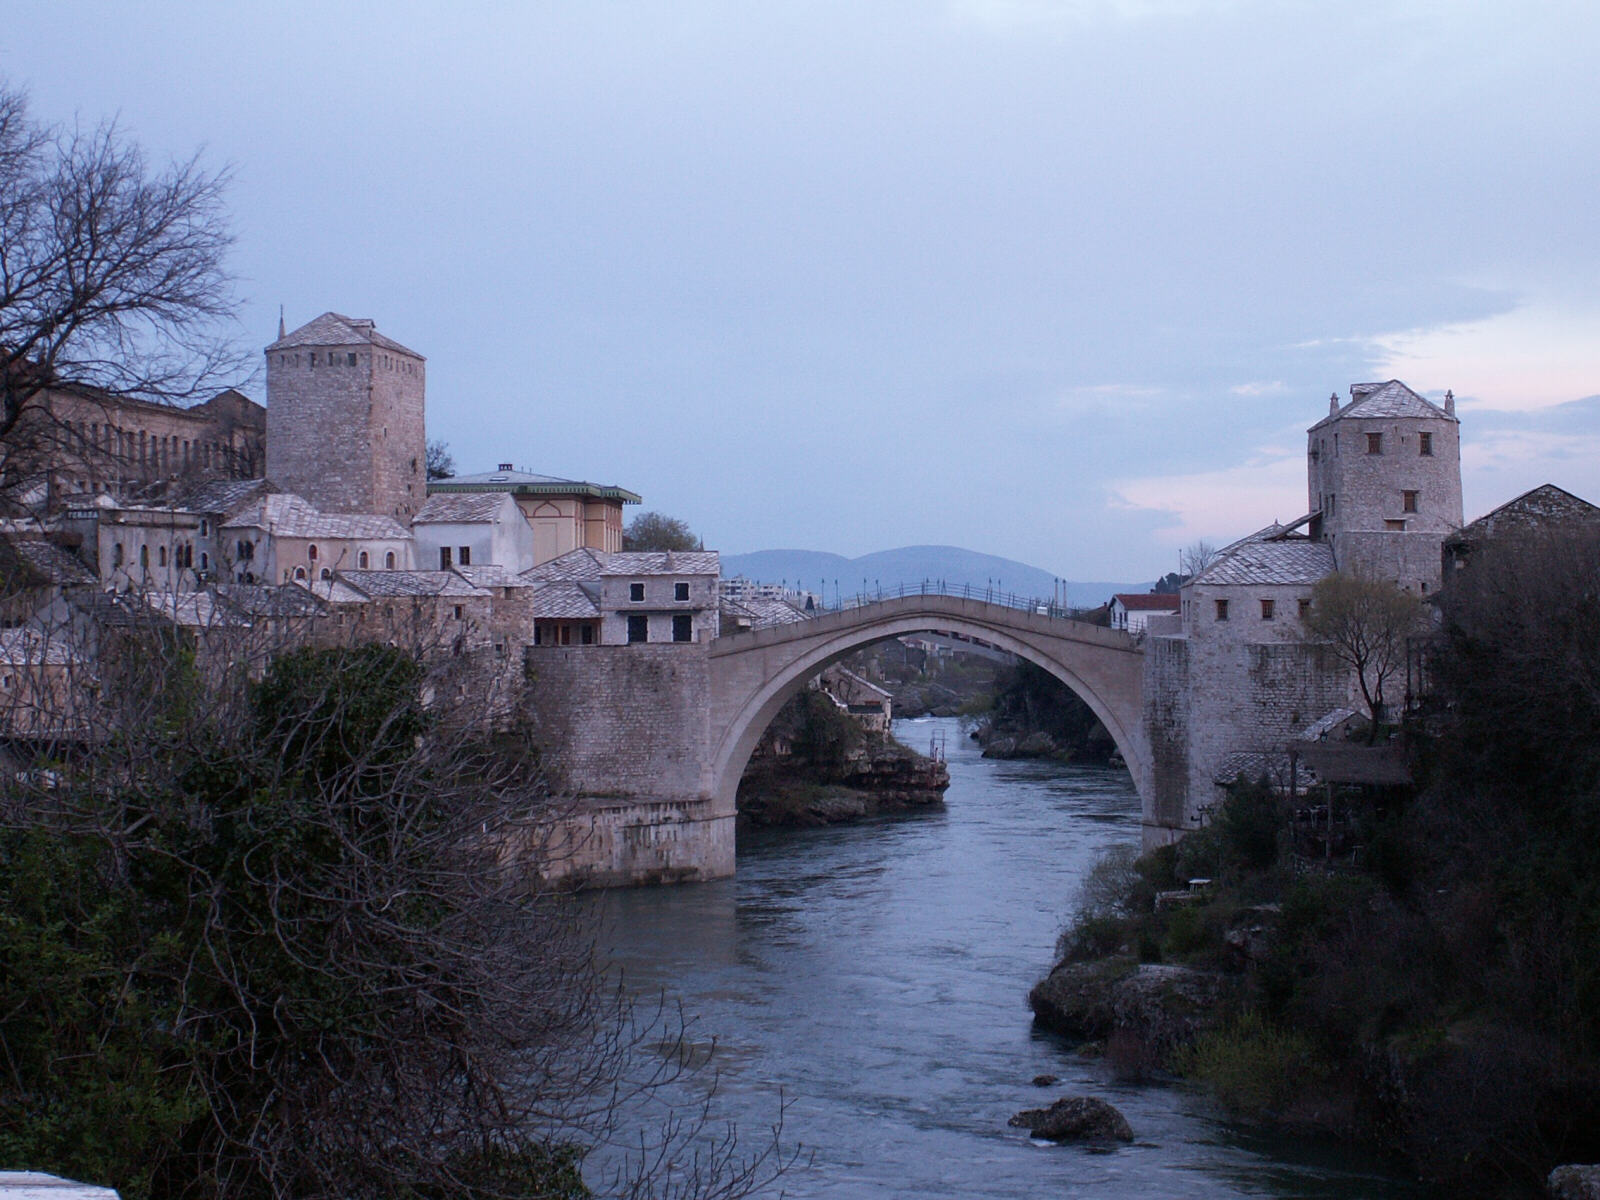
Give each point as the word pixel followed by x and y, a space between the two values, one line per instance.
pixel 564 601
pixel 493 576
pixel 28 646
pixel 1546 504
pixel 35 1185
pixel 1261 560
pixel 1382 400
pixel 335 329
pixel 766 611
pixel 663 562
pixel 284 514
pixel 195 610
pixel 224 496
pixel 269 600
pixel 1326 724
pixel 460 508
pixel 332 591
pixel 410 583
pixel 582 563
pixel 33 561
pixel 1149 601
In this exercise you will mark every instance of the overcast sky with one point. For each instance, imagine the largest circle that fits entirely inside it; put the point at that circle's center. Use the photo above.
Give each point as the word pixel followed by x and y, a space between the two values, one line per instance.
pixel 1064 280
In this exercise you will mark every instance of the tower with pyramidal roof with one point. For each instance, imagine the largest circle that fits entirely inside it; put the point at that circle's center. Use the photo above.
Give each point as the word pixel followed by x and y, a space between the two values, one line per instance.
pixel 345 418
pixel 1384 482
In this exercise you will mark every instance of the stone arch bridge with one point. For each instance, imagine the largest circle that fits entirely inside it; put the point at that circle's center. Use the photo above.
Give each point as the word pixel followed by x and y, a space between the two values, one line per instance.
pixel 651 740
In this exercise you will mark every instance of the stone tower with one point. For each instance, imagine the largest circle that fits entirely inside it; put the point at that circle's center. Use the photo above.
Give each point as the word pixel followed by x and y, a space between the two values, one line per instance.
pixel 345 418
pixel 1384 479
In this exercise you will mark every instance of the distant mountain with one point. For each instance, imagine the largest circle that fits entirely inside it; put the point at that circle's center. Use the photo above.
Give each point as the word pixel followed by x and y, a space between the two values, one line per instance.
pixel 815 570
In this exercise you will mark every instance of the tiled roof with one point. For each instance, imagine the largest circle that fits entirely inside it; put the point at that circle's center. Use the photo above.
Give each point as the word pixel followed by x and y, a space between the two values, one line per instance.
pixel 460 508
pixel 195 610
pixel 225 496
pixel 1148 601
pixel 663 562
pixel 1391 399
pixel 28 646
pixel 493 576
pixel 766 611
pixel 332 591
pixel 1326 724
pixel 582 563
pixel 564 601
pixel 1543 505
pixel 410 583
pixel 1260 560
pixel 287 515
pixel 334 329
pixel 263 600
pixel 43 562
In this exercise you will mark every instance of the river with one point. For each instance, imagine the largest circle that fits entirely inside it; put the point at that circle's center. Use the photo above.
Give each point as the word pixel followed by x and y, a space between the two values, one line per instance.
pixel 875 976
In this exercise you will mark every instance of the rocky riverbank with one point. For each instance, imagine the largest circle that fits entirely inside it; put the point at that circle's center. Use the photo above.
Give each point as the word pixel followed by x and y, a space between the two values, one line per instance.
pixel 882 778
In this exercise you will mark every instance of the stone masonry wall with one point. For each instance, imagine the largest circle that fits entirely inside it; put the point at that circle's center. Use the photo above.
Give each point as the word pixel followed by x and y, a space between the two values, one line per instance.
pixel 1166 719
pixel 622 721
pixel 317 431
pixel 399 440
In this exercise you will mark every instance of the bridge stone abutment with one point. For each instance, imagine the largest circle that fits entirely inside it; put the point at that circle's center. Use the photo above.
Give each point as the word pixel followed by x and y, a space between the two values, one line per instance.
pixel 753 674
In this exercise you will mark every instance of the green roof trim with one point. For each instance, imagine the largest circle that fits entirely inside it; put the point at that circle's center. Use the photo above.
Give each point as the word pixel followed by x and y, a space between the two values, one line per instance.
pixel 573 488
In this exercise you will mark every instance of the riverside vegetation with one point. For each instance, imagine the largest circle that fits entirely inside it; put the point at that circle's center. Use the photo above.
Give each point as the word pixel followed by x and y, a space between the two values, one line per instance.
pixel 1417 967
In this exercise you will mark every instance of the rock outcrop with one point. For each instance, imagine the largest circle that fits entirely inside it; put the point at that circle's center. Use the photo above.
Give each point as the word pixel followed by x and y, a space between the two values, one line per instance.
pixel 1165 1006
pixel 1075 1119
pixel 1575 1182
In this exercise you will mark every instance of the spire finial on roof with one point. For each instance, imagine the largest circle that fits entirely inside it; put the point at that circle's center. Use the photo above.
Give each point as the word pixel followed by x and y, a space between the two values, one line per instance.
pixel 281 332
pixel 1450 402
pixel 1333 403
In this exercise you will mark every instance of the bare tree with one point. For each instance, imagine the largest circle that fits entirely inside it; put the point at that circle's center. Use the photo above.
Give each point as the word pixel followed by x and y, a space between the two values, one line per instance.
pixel 1365 622
pixel 441 463
pixel 1196 557
pixel 113 279
pixel 275 928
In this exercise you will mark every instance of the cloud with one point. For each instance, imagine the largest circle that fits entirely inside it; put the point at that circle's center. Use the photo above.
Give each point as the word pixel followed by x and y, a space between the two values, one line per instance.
pixel 1275 387
pixel 1222 505
pixel 1542 353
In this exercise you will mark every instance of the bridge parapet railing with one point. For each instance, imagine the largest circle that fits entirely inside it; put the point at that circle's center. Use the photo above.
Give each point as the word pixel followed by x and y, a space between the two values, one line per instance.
pixel 1040 606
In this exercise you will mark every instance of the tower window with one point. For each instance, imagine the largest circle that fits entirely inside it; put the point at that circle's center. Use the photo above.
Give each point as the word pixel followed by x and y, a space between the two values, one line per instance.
pixel 1425 445
pixel 1267 607
pixel 1222 610
pixel 1408 502
pixel 350 359
pixel 1374 443
pixel 1394 525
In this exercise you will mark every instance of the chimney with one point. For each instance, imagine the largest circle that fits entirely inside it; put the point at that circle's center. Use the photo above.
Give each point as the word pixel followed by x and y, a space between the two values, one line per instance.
pixel 1333 404
pixel 504 467
pixel 1450 403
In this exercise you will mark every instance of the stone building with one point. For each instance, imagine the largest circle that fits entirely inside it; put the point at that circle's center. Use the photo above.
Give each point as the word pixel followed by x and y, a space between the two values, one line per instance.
pixel 484 529
pixel 1229 679
pixel 74 443
pixel 1384 482
pixel 345 418
pixel 586 597
pixel 564 514
pixel 280 538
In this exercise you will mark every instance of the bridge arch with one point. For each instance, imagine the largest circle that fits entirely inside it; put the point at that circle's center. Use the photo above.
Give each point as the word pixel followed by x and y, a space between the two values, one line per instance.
pixel 753 674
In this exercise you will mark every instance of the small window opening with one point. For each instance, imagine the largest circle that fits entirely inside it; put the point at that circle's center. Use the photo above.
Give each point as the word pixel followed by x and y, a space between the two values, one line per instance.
pixel 1425 445
pixel 466 556
pixel 1222 610
pixel 638 629
pixel 444 558
pixel 1305 608
pixel 1408 502
pixel 1374 443
pixel 636 592
pixel 361 560
pixel 680 591
pixel 683 628
pixel 1267 607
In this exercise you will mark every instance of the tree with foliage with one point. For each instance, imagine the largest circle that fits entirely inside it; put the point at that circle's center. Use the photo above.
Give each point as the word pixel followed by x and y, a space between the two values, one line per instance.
pixel 262 940
pixel 1366 623
pixel 657 531
pixel 112 277
pixel 441 464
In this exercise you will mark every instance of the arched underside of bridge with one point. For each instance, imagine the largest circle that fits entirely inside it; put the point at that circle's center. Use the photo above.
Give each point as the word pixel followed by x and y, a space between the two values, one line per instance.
pixel 754 674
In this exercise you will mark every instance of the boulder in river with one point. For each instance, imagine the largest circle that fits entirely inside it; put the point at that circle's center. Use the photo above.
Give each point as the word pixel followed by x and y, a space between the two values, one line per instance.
pixel 1164 1005
pixel 1044 1080
pixel 1576 1182
pixel 1075 1119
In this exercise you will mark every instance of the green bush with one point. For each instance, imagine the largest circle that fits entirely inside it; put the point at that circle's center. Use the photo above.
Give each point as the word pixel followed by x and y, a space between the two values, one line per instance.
pixel 1255 1069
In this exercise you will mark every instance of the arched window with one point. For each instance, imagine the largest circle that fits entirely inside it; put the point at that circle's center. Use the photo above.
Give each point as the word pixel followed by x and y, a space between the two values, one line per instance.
pixel 116 554
pixel 144 556
pixel 311 552
pixel 361 560
pixel 299 572
pixel 388 561
pixel 161 556
pixel 325 574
